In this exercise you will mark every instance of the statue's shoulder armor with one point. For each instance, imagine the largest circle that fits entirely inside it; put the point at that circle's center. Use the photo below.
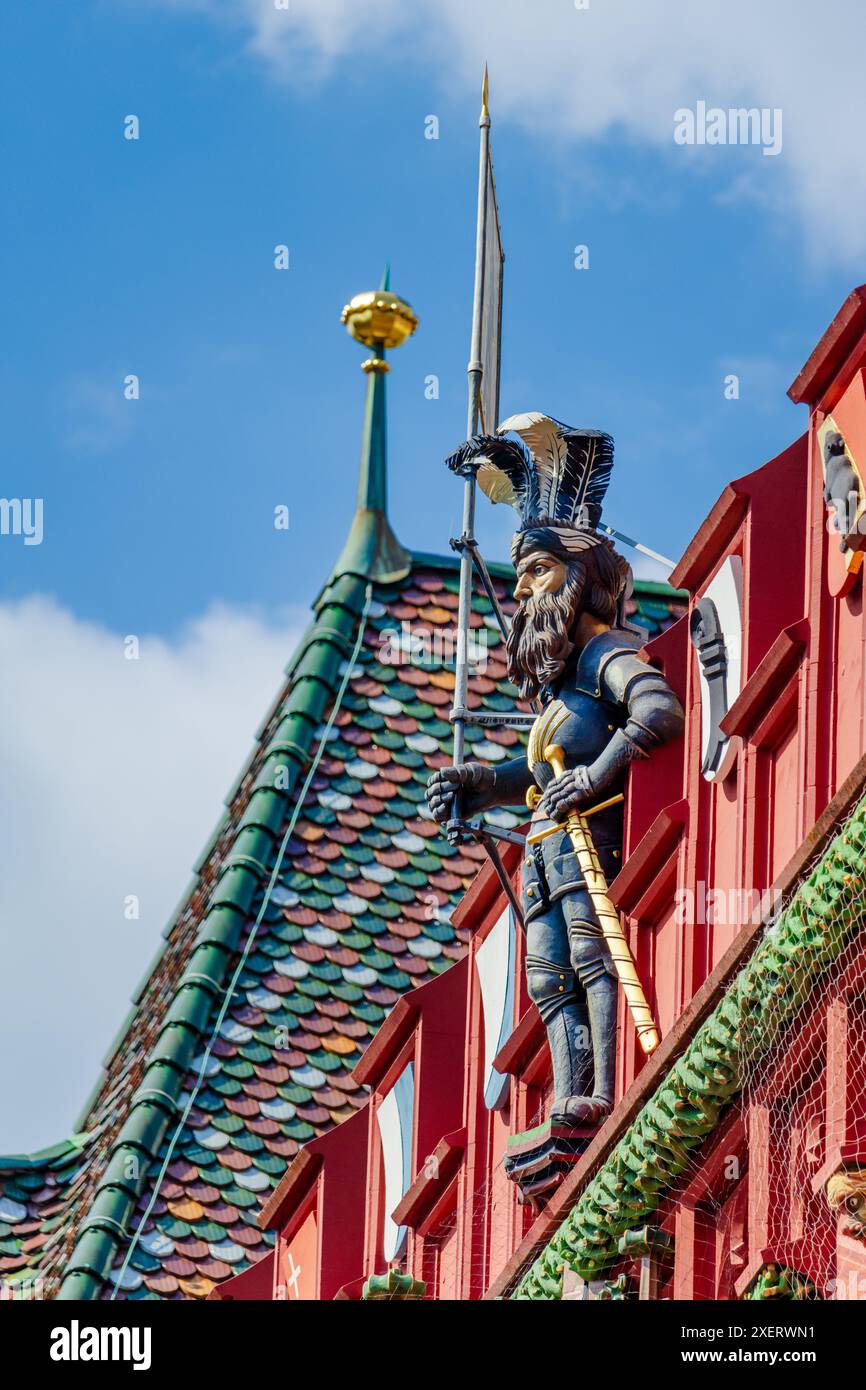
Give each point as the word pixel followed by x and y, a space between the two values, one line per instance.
pixel 608 662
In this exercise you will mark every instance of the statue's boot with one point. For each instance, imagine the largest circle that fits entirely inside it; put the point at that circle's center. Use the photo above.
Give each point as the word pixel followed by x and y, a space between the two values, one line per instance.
pixel 583 1111
pixel 591 1110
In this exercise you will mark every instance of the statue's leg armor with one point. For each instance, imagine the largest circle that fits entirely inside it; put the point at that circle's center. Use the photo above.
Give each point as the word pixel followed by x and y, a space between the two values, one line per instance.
pixel 595 977
pixel 595 973
pixel 551 984
pixel 561 1004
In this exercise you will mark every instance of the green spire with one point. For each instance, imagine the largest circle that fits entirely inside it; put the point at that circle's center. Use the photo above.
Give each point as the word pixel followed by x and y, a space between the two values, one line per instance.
pixel 380 320
pixel 373 475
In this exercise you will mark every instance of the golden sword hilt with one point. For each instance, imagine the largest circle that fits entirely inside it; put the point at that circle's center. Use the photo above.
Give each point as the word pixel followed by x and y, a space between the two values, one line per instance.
pixel 538 835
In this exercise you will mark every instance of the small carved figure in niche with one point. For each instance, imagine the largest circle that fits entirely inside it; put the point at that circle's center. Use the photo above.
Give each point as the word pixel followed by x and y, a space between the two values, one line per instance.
pixel 843 491
pixel 846 1193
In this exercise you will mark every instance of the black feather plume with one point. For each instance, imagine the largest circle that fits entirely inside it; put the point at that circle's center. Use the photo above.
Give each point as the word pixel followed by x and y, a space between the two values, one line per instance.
pixel 590 464
pixel 505 473
pixel 543 468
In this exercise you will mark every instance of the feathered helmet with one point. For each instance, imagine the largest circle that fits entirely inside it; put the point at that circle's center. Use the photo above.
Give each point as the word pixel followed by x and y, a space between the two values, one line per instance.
pixel 554 476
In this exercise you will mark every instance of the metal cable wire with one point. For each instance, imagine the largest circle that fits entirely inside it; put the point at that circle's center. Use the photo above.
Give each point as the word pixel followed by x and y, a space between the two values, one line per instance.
pixel 229 995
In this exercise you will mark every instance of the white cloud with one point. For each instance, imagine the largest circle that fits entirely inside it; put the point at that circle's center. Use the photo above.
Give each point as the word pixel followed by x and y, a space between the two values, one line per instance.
pixel 621 67
pixel 98 417
pixel 113 776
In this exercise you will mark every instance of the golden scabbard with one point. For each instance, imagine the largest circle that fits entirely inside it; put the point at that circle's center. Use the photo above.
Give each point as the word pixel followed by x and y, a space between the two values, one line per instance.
pixel 596 883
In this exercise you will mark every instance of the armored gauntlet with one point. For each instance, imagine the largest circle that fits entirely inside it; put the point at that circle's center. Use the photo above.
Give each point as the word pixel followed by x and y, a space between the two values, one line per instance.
pixel 474 781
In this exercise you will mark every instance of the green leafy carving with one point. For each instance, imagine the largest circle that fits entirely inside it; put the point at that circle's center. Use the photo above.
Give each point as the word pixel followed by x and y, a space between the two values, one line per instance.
pixel 392 1285
pixel 779 1282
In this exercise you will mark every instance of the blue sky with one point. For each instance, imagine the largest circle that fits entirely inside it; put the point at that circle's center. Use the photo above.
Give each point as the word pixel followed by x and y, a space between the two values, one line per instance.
pixel 155 257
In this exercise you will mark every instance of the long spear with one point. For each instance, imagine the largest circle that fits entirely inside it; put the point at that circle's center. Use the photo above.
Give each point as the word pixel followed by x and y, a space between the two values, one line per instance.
pixel 483 377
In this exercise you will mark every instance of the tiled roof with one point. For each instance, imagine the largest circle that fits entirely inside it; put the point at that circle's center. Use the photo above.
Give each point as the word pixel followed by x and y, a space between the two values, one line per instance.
pixel 358 914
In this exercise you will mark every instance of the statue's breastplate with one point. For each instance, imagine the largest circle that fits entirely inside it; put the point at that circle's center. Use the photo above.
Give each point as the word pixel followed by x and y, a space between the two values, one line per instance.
pixel 593 717
pixel 591 723
pixel 589 728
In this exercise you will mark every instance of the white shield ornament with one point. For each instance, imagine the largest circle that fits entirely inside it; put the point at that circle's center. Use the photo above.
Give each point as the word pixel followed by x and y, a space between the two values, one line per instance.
pixel 716 630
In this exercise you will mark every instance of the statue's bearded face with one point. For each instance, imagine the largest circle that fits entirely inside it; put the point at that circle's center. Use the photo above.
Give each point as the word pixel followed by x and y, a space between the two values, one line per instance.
pixel 541 573
pixel 549 593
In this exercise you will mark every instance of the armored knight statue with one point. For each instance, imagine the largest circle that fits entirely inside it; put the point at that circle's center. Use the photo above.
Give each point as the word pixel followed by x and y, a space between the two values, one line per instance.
pixel 569 643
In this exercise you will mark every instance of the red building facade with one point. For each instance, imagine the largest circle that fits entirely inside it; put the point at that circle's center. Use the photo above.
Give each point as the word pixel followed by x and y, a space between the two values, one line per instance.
pixel 730 1166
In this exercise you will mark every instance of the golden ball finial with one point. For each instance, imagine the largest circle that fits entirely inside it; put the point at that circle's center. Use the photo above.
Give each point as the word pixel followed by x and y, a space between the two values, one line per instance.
pixel 379 318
